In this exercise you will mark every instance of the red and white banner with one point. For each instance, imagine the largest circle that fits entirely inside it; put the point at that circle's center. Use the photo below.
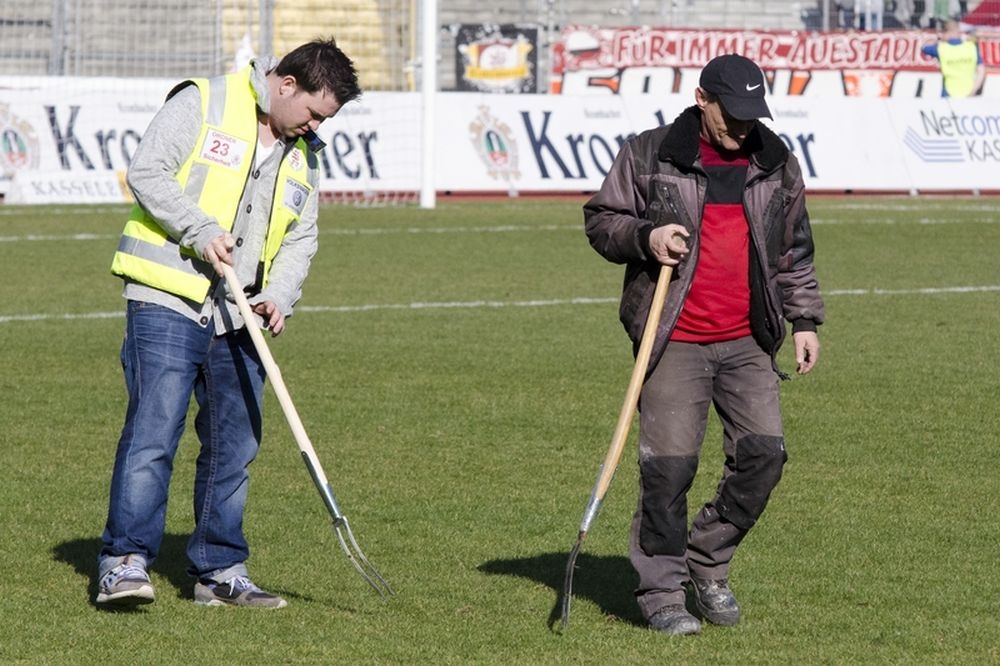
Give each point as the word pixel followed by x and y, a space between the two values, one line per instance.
pixel 644 60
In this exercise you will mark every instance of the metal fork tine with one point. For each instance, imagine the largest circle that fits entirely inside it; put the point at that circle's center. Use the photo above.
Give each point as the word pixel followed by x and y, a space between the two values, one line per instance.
pixel 567 592
pixel 341 526
pixel 302 440
pixel 361 556
pixel 358 559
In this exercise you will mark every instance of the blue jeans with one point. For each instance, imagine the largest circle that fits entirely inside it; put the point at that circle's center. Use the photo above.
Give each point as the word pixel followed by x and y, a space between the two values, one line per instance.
pixel 166 357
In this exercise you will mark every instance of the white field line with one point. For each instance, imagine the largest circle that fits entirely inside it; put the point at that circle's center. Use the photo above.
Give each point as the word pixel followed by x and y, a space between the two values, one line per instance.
pixel 513 228
pixel 484 304
pixel 12 210
pixel 823 221
pixel 53 237
pixel 947 204
pixel 384 231
pixel 944 206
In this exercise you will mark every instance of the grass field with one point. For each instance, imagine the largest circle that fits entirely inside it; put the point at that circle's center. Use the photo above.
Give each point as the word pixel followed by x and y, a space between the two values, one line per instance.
pixel 459 372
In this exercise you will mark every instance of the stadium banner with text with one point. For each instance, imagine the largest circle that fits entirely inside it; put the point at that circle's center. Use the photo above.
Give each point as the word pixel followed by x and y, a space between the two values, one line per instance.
pixel 567 143
pixel 71 140
pixel 640 60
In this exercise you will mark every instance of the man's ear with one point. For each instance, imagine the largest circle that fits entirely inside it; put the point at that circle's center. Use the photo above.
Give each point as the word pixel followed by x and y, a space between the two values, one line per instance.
pixel 700 98
pixel 287 85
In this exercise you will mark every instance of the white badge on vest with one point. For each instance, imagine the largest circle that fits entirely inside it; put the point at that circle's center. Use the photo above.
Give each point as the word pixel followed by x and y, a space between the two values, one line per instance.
pixel 295 196
pixel 223 149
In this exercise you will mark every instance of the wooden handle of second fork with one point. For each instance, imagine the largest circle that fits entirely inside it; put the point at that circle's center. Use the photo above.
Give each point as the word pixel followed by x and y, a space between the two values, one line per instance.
pixel 631 398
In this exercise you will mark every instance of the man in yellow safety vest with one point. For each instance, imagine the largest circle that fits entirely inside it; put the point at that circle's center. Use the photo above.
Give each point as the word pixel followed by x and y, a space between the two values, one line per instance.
pixel 961 63
pixel 226 173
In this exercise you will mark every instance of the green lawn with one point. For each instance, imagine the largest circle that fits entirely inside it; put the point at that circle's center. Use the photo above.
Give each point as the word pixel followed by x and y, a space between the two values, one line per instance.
pixel 459 372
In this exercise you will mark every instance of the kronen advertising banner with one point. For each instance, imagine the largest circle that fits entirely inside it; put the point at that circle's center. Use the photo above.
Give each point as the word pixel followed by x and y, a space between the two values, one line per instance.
pixel 71 140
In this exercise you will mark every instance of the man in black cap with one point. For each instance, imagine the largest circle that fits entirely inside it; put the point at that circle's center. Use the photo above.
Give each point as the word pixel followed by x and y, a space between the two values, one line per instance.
pixel 717 196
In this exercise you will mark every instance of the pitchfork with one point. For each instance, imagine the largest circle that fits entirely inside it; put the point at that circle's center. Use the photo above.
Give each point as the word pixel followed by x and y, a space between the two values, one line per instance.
pixel 340 525
pixel 610 464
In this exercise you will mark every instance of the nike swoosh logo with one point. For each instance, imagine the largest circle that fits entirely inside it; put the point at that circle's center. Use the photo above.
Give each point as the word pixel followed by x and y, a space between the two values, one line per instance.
pixel 751 88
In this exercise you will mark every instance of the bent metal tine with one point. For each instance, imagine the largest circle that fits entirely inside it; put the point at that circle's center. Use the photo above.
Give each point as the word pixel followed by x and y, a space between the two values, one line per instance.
pixel 340 524
pixel 610 464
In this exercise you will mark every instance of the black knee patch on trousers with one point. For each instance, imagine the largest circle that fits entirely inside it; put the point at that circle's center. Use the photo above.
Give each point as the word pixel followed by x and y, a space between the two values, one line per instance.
pixel 743 496
pixel 664 522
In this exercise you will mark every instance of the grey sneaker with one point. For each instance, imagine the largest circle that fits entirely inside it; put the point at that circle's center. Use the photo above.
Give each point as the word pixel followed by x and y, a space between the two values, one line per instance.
pixel 237 591
pixel 675 621
pixel 125 585
pixel 715 601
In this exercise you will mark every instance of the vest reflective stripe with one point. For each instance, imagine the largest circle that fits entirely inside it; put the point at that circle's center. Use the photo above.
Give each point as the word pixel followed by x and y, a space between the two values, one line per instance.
pixel 146 262
pixel 958 67
pixel 215 175
pixel 215 104
pixel 196 177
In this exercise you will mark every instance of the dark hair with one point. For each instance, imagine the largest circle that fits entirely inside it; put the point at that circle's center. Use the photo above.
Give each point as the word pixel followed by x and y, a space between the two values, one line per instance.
pixel 321 65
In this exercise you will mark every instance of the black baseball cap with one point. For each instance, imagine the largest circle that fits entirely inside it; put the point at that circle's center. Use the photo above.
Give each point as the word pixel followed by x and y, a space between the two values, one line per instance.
pixel 739 85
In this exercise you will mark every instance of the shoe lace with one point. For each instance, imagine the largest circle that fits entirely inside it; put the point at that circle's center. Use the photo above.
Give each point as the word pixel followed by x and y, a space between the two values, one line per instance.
pixel 133 570
pixel 126 571
pixel 241 583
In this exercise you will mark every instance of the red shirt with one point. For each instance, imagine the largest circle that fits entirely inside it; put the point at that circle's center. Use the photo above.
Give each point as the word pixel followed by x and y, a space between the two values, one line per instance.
pixel 717 307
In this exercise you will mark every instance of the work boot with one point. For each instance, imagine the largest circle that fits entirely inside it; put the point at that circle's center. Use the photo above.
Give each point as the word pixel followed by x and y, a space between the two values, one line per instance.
pixel 126 585
pixel 715 601
pixel 674 620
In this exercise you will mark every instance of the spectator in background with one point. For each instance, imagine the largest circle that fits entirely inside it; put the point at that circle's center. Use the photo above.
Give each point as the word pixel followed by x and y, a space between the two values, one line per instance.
pixel 962 68
pixel 845 14
pixel 946 10
pixel 901 12
pixel 869 13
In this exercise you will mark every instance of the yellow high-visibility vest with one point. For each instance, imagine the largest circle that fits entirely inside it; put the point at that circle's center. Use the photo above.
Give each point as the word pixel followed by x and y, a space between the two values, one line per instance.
pixel 215 175
pixel 958 67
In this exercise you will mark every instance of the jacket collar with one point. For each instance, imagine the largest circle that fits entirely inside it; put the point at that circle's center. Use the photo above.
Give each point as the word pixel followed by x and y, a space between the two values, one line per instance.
pixel 680 145
pixel 259 68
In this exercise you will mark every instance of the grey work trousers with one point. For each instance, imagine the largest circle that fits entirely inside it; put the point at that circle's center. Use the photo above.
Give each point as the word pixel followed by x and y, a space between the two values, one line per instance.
pixel 738 378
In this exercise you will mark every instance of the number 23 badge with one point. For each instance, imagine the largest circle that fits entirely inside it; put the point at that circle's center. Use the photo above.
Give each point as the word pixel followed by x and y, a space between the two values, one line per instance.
pixel 223 149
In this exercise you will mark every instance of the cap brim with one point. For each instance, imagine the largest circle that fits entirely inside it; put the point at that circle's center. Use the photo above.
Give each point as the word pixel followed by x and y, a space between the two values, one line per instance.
pixel 745 108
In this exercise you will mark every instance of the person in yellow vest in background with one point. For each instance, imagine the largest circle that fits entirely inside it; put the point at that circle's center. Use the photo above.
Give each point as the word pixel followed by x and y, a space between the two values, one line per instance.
pixel 226 173
pixel 962 68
